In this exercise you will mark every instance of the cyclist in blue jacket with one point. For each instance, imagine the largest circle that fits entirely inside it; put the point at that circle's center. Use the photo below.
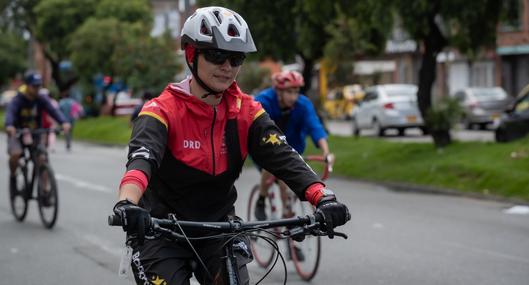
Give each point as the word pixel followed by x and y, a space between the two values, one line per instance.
pixel 296 117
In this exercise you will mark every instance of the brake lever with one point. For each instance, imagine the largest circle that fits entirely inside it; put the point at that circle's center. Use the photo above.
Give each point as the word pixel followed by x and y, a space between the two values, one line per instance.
pixel 342 235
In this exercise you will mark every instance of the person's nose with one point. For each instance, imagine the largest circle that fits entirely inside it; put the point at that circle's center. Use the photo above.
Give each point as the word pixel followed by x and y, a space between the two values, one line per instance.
pixel 226 65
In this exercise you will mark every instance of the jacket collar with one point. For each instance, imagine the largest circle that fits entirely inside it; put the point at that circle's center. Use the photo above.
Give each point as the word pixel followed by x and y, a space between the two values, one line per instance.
pixel 231 96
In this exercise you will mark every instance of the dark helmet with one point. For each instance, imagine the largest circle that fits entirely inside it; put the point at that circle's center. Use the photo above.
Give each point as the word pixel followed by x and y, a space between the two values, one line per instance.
pixel 33 78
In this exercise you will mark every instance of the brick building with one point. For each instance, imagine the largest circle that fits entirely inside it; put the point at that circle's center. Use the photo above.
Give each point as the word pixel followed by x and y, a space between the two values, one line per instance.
pixel 513 47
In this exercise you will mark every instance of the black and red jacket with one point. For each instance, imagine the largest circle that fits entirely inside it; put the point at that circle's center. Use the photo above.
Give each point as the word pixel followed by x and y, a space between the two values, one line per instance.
pixel 192 152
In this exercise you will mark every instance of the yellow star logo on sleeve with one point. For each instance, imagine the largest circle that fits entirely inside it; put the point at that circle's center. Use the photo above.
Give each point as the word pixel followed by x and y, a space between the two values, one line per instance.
pixel 158 281
pixel 273 139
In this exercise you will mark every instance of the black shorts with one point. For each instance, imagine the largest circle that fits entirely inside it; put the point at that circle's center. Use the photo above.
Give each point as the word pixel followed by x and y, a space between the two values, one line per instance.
pixel 161 260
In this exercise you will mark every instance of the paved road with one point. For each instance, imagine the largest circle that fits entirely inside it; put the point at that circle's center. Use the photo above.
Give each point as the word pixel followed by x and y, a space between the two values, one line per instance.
pixel 344 128
pixel 395 237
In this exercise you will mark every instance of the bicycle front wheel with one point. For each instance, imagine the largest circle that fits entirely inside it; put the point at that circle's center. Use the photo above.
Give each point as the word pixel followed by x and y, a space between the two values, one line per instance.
pixel 48 196
pixel 262 251
pixel 306 254
pixel 18 196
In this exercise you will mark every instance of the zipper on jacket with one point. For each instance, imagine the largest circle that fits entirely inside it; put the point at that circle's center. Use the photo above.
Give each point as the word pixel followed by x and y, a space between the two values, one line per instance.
pixel 212 139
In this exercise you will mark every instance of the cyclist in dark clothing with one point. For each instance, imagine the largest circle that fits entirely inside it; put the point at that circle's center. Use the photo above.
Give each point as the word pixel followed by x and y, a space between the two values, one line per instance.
pixel 188 147
pixel 147 95
pixel 26 111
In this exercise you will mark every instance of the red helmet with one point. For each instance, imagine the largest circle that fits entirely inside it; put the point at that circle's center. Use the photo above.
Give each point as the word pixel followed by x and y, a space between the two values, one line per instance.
pixel 287 79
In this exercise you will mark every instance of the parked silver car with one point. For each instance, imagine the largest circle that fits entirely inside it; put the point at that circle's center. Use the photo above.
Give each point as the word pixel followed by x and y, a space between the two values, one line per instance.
pixel 482 105
pixel 387 106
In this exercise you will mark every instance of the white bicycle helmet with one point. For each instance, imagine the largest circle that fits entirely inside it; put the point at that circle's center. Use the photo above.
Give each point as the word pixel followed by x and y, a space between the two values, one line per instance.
pixel 219 28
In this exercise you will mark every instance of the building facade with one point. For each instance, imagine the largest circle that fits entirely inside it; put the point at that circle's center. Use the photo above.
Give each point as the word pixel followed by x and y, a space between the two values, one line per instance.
pixel 513 47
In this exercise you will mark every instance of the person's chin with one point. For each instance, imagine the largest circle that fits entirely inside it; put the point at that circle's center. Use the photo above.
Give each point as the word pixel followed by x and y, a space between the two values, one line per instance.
pixel 221 86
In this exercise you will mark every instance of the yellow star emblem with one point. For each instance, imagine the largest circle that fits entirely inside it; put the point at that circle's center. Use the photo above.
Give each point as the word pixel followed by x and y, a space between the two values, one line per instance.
pixel 272 138
pixel 158 281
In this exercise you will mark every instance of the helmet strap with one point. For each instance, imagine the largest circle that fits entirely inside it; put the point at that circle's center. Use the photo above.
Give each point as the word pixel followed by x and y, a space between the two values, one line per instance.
pixel 194 71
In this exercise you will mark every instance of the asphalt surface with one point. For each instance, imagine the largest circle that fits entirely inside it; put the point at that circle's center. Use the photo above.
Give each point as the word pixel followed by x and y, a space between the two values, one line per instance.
pixel 394 237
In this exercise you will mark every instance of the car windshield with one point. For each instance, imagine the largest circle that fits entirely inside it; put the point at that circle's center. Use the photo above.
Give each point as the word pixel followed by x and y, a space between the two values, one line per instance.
pixel 522 105
pixel 489 94
pixel 402 92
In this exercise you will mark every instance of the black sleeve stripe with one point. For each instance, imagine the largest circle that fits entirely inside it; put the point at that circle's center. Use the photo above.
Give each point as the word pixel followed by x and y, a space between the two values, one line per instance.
pixel 147 143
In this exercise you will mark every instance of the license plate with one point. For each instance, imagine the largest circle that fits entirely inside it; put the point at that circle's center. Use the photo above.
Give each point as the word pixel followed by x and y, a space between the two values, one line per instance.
pixel 495 116
pixel 411 119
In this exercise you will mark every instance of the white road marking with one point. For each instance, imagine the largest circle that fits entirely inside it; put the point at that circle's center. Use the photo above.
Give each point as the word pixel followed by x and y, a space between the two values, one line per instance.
pixel 83 184
pixel 378 226
pixel 517 210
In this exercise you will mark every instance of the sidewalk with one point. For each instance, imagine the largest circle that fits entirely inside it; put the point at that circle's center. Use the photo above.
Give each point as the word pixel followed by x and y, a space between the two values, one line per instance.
pixel 344 128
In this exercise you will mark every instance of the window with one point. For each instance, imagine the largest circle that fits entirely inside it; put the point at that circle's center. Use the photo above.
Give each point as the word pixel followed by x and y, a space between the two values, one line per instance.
pixel 460 96
pixel 511 16
pixel 371 95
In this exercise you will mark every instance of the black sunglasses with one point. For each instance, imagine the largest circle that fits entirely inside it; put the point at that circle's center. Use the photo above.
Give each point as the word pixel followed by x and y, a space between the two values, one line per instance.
pixel 218 57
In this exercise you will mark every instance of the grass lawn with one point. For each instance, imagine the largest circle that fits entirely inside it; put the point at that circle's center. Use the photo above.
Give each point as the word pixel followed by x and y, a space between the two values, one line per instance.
pixel 106 130
pixel 489 168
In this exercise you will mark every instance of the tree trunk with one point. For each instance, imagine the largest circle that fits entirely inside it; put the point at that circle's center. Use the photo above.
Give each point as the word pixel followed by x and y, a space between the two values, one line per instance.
pixel 433 43
pixel 441 138
pixel 56 73
pixel 307 74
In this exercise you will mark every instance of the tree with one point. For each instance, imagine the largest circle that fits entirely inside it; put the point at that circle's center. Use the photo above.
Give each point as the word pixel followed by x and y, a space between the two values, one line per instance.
pixel 124 50
pixel 283 29
pixel 438 24
pixel 253 78
pixel 359 29
pixel 13 50
pixel 94 45
pixel 147 63
pixel 134 11
pixel 53 22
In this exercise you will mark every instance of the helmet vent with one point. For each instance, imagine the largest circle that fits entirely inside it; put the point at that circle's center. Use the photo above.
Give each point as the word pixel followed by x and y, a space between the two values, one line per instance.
pixel 232 31
pixel 217 15
pixel 204 28
pixel 238 20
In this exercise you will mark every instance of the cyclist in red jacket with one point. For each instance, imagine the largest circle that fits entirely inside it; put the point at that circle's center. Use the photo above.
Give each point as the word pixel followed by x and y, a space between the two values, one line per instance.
pixel 188 147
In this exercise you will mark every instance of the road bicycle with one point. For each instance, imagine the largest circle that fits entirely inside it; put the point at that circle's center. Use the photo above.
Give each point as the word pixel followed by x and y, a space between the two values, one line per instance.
pixel 34 171
pixel 294 228
pixel 306 255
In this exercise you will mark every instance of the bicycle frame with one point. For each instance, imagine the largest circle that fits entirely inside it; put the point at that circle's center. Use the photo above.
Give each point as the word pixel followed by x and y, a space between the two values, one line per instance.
pixel 34 171
pixel 291 196
pixel 30 154
pixel 316 158
pixel 284 204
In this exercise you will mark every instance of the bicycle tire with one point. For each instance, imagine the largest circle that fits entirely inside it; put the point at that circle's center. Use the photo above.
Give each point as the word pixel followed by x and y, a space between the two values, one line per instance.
pixel 306 267
pixel 48 201
pixel 18 198
pixel 263 252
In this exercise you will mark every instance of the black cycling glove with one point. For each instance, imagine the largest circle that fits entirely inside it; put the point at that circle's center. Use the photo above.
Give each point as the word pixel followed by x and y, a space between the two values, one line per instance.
pixel 334 213
pixel 134 219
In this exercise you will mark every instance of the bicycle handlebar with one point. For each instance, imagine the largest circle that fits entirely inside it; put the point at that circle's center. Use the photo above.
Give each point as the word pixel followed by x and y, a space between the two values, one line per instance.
pixel 310 224
pixel 325 160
